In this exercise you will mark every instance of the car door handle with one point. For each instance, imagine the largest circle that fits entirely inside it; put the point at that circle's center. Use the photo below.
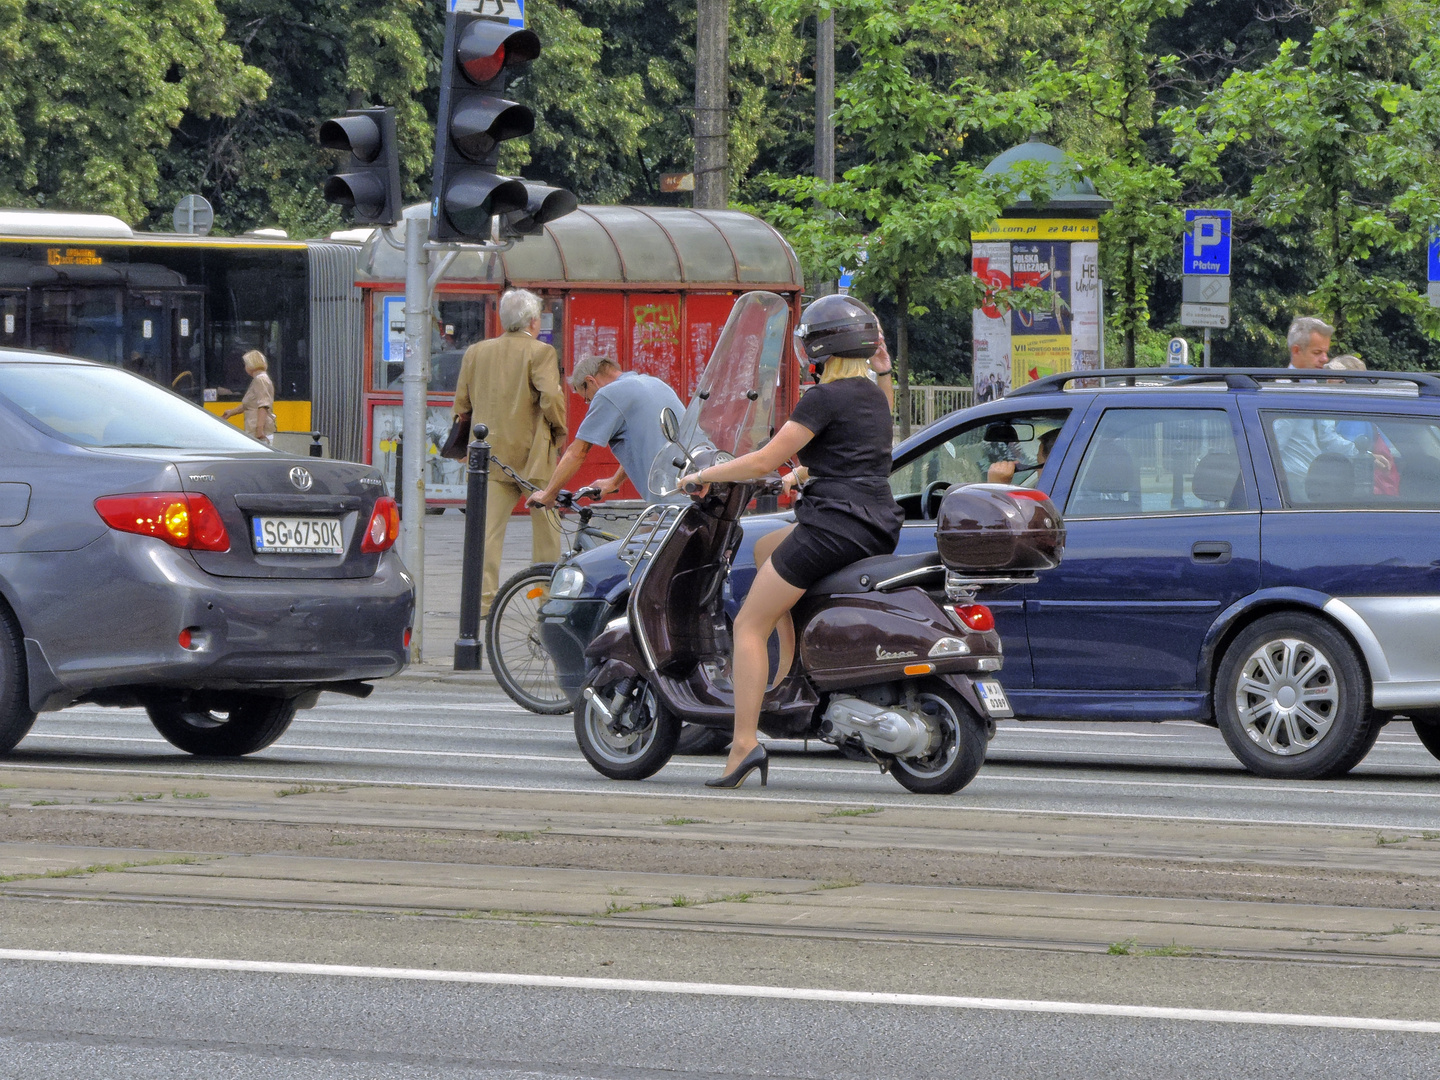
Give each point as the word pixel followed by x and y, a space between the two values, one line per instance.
pixel 1210 551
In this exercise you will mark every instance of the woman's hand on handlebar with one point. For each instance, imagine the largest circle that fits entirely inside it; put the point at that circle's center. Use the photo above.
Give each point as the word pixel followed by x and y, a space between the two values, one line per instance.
pixel 690 484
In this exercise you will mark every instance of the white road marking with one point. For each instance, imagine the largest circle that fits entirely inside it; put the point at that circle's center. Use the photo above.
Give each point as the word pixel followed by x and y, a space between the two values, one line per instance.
pixel 635 792
pixel 729 990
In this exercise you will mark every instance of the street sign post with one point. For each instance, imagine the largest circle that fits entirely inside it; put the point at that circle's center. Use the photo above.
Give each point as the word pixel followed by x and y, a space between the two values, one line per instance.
pixel 194 215
pixel 1207 243
pixel 1205 290
pixel 1215 316
pixel 512 11
pixel 1434 266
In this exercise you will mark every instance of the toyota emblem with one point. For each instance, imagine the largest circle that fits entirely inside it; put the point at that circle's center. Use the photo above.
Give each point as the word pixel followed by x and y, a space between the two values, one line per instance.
pixel 301 478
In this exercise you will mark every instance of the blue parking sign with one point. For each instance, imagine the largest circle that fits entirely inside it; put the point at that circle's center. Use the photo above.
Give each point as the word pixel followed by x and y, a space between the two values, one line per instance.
pixel 1434 260
pixel 1207 243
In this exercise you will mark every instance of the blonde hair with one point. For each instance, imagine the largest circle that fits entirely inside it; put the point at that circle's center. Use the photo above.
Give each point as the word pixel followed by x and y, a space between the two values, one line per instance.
pixel 1346 363
pixel 845 367
pixel 254 360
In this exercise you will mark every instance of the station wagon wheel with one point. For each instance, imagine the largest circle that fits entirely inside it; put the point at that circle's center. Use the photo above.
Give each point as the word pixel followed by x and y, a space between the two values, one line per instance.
pixel 15 715
pixel 217 723
pixel 1291 699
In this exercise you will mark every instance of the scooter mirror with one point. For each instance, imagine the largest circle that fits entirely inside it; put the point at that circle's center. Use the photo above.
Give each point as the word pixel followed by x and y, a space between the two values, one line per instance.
pixel 669 426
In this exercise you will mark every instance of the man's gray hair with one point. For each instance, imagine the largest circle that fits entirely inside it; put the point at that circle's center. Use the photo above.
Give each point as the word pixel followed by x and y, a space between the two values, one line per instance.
pixel 1303 327
pixel 588 367
pixel 518 309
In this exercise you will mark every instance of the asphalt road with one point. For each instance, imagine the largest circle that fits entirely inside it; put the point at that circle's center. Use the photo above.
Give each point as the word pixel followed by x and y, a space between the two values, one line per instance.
pixel 117 1022
pixel 443 829
pixel 437 733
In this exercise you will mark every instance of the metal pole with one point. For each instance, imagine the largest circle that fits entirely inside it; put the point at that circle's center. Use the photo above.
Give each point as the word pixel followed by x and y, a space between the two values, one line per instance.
pixel 414 382
pixel 1207 346
pixel 472 566
pixel 712 104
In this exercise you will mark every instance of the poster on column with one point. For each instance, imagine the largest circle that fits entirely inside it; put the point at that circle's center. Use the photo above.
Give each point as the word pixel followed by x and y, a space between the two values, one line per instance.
pixel 1058 256
pixel 1040 339
pixel 1085 304
pixel 991 371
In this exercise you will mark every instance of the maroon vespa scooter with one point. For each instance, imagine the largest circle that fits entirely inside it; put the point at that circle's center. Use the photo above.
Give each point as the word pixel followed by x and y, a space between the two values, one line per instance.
pixel 895 659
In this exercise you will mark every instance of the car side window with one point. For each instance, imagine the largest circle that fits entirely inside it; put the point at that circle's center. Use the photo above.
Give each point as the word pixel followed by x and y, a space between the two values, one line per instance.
pixel 1014 445
pixel 1159 461
pixel 1348 461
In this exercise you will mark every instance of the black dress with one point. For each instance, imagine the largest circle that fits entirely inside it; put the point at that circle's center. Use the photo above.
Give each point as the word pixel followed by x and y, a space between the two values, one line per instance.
pixel 846 511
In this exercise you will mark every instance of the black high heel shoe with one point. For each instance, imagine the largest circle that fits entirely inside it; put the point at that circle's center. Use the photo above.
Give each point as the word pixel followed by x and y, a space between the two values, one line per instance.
pixel 756 759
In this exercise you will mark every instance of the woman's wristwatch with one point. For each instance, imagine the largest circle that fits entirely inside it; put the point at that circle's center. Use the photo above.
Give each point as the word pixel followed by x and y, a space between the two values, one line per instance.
pixel 888 371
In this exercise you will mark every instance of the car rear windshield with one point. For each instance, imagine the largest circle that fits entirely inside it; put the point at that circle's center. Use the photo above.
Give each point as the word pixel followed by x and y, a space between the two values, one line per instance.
pixel 106 407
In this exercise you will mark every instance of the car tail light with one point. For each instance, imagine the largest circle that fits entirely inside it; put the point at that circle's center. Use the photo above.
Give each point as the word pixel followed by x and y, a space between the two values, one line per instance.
pixel 384 527
pixel 181 519
pixel 975 616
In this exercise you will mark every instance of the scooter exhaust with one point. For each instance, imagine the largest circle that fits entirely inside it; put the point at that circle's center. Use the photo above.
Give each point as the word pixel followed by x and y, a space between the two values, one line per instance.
pixel 884 729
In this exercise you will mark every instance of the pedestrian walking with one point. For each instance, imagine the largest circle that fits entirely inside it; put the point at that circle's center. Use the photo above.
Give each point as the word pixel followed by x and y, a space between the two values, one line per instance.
pixel 624 414
pixel 258 404
pixel 511 384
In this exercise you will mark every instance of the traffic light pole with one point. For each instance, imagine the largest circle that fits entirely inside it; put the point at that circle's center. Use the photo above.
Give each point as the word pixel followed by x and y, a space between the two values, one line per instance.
pixel 414 384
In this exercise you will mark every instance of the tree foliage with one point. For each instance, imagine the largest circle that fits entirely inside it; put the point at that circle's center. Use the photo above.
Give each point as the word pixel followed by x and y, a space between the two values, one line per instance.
pixel 92 90
pixel 1333 147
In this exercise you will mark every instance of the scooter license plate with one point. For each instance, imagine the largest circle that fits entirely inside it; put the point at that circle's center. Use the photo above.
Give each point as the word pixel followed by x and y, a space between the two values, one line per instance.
pixel 992 694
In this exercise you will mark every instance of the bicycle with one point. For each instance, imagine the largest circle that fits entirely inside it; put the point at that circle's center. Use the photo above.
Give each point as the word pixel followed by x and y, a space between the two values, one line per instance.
pixel 518 657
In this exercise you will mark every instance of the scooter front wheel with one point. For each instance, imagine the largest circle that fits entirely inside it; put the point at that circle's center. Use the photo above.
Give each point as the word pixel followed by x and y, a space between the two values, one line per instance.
pixel 634 741
pixel 954 763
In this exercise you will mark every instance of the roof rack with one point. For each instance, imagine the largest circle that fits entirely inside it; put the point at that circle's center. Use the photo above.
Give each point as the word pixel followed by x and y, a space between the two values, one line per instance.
pixel 1234 378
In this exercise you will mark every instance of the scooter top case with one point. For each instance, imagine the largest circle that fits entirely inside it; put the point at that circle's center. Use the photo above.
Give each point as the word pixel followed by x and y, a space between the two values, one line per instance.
pixel 1000 530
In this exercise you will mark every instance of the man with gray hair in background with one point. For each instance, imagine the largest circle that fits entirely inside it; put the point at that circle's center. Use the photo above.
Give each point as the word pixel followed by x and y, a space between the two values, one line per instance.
pixel 511 384
pixel 624 415
pixel 1309 341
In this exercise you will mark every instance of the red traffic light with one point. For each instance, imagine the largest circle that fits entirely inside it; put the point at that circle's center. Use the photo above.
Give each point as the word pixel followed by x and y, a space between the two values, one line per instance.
pixel 485 49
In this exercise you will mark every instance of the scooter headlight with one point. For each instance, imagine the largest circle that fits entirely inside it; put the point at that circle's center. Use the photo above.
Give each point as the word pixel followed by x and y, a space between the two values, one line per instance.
pixel 567 583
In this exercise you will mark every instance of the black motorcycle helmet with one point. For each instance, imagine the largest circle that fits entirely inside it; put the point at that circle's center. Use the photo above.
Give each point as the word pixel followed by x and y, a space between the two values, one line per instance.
pixel 835 326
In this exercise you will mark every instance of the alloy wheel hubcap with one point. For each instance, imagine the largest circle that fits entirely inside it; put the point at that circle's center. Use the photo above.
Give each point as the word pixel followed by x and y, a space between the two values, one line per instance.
pixel 1287 696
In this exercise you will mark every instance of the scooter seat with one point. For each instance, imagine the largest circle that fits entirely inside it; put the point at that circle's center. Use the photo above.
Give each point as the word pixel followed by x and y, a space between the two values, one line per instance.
pixel 877 571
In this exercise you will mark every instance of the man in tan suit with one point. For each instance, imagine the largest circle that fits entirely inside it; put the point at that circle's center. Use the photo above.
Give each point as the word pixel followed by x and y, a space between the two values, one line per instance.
pixel 511 384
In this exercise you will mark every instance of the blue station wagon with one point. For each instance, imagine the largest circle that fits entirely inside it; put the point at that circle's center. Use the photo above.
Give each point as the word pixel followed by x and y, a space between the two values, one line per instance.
pixel 1255 549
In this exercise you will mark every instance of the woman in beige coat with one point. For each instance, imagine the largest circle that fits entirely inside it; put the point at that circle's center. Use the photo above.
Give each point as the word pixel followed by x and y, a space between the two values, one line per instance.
pixel 258 404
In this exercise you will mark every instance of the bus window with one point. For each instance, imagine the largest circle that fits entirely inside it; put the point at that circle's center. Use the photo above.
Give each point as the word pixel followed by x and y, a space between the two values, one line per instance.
pixel 12 319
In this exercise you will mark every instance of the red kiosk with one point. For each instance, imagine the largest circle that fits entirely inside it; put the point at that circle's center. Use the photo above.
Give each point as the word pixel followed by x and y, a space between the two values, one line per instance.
pixel 649 286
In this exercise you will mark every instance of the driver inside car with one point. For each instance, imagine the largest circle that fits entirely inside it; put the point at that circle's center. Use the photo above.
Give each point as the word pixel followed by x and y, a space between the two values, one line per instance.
pixel 1003 472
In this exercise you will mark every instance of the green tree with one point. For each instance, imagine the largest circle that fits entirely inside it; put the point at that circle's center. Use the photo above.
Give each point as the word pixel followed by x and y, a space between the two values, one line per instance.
pixel 1104 102
pixel 91 91
pixel 1333 146
pixel 262 164
pixel 909 202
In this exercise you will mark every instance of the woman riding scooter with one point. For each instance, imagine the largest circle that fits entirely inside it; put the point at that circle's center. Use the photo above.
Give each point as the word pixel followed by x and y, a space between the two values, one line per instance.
pixel 841 431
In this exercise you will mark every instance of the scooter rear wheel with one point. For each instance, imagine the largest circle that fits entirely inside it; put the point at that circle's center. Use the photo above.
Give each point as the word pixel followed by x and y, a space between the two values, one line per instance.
pixel 961 753
pixel 636 745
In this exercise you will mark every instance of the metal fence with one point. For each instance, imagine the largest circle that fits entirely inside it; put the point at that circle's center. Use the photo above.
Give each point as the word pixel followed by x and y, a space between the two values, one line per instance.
pixel 930 403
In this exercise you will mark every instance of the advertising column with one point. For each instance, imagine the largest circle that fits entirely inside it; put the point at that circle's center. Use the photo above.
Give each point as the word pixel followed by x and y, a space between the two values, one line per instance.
pixel 1058 256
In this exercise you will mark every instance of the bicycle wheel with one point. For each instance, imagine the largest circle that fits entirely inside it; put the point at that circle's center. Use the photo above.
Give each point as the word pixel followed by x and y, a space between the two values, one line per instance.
pixel 512 640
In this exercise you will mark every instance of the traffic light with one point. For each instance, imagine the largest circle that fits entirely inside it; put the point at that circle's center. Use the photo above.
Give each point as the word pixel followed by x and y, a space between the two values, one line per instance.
pixel 370 180
pixel 481 58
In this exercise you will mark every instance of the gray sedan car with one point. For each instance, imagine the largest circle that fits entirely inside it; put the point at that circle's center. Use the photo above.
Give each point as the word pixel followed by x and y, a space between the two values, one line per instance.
pixel 152 555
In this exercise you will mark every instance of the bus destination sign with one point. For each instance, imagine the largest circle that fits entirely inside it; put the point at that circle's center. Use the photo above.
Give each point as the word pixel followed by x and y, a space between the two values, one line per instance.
pixel 72 256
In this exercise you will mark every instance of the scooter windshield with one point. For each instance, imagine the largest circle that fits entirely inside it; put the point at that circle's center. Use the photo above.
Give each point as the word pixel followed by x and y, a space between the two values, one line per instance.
pixel 734 405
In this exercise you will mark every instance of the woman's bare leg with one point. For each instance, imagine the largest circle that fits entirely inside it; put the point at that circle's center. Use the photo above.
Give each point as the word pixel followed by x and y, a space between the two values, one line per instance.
pixel 785 628
pixel 771 597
